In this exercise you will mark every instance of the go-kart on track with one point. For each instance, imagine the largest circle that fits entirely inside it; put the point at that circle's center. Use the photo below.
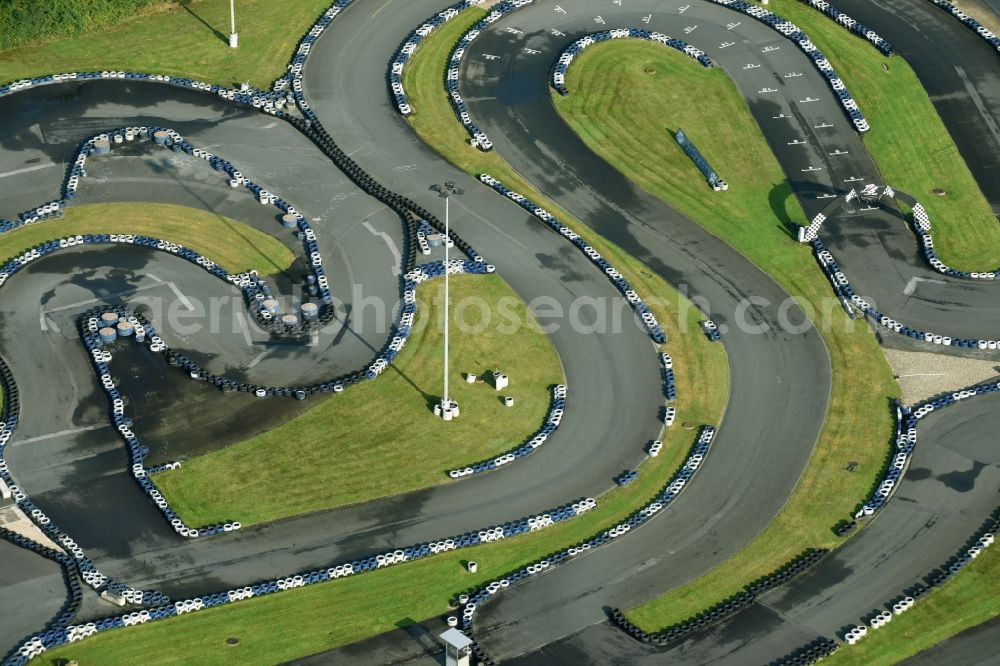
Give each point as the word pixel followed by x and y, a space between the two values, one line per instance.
pixel 67 459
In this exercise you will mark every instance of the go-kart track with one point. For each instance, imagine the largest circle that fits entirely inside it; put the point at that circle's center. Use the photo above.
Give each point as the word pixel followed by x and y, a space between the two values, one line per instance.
pixel 357 215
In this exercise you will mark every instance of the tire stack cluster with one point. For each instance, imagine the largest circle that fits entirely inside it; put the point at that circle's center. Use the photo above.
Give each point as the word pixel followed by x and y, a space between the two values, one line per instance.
pixel 980 541
pixel 970 22
pixel 721 610
pixel 922 227
pixel 74 556
pixel 55 631
pixel 842 287
pixel 658 503
pixel 137 452
pixel 552 420
pixel 792 32
pixel 73 633
pixel 258 99
pixel 479 138
pixel 409 46
pixel 906 439
pixel 579 46
pixel 852 25
pixel 638 305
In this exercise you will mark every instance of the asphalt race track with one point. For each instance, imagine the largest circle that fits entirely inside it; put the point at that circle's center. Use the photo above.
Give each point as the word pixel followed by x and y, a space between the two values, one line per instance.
pixel 68 458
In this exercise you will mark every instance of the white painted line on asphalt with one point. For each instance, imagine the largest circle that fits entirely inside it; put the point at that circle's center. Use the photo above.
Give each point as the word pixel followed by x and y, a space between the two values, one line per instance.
pixel 926 374
pixel 387 3
pixel 41 320
pixel 822 126
pixel 259 358
pixel 911 286
pixel 36 167
pixel 244 327
pixel 392 246
pixel 101 299
pixel 978 101
pixel 61 433
pixel 181 297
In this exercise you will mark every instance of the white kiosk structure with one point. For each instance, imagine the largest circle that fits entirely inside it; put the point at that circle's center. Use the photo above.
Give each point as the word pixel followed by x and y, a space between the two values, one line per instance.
pixel 456 648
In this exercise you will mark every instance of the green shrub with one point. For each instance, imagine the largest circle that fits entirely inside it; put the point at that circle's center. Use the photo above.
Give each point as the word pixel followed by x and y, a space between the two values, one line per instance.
pixel 26 21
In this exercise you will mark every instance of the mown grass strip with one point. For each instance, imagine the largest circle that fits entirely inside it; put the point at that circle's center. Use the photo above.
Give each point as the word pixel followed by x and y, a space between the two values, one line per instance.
pixel 908 141
pixel 652 83
pixel 233 245
pixel 280 627
pixel 187 38
pixel 381 438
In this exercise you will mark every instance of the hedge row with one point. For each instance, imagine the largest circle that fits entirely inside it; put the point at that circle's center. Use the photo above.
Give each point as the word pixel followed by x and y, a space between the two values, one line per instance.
pixel 25 21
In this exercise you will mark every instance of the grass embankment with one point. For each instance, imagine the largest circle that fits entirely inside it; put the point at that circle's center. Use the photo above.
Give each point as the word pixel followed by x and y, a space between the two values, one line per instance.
pixel 233 245
pixel 380 438
pixel 181 39
pixel 969 599
pixel 654 84
pixel 908 141
pixel 281 627
pixel 22 23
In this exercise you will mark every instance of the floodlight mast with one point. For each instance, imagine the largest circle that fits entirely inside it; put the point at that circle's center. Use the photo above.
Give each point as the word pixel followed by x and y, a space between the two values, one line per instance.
pixel 234 39
pixel 447 409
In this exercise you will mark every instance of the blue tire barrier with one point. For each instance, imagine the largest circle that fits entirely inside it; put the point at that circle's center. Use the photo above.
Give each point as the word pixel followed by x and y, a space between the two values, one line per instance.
pixel 642 311
pixel 566 58
pixel 970 23
pixel 552 420
pixel 660 502
pixel 852 302
pixel 497 12
pixel 409 47
pixel 907 419
pixel 852 25
pixel 792 32
pixel 981 539
pixel 36 645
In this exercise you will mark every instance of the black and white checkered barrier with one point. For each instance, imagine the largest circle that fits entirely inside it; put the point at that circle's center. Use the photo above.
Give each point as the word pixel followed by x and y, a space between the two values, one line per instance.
pixel 640 307
pixel 660 502
pixel 552 421
pixel 981 539
pixel 922 227
pixel 852 301
pixel 402 57
pixel 579 46
pixel 61 635
pixel 792 32
pixel 906 440
pixel 479 138
pixel 852 25
pixel 970 22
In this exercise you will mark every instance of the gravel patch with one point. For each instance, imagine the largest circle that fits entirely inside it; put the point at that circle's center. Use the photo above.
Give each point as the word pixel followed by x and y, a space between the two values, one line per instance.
pixel 922 375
